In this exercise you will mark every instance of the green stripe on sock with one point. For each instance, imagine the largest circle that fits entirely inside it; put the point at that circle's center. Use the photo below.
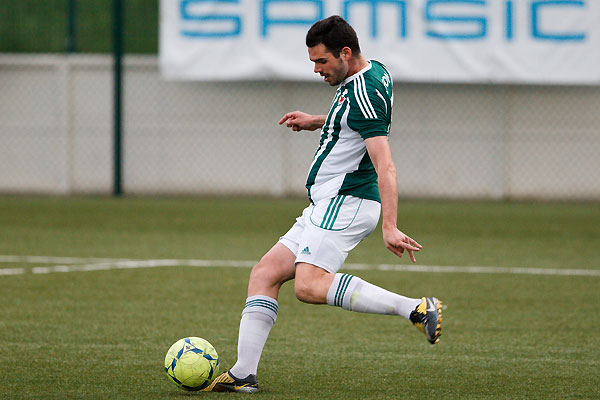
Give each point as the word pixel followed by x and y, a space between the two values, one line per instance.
pixel 342 287
pixel 337 292
pixel 262 303
pixel 263 306
pixel 343 293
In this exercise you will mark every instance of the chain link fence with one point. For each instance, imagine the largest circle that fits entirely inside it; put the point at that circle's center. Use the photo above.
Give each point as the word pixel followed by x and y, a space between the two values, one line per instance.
pixel 448 140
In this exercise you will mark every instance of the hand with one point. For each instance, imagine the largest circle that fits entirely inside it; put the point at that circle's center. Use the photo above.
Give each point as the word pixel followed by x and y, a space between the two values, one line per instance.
pixel 397 242
pixel 298 120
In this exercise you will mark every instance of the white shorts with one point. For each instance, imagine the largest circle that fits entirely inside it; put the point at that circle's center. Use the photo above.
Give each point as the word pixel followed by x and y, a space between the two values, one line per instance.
pixel 326 232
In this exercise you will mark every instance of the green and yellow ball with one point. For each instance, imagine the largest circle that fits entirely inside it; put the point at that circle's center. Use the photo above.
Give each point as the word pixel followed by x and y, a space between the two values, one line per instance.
pixel 192 363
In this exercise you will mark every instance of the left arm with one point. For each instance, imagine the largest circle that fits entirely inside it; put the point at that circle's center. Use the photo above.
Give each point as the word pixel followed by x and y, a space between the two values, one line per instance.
pixel 381 156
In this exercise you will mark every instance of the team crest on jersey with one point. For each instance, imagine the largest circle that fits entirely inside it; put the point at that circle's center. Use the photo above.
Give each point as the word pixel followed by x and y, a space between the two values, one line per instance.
pixel 342 97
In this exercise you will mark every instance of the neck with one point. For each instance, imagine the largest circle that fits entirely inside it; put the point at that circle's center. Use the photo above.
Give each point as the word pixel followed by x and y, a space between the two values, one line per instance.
pixel 355 64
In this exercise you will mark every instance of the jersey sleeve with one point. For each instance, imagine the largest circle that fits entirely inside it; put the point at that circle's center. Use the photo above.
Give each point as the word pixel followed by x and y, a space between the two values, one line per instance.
pixel 369 114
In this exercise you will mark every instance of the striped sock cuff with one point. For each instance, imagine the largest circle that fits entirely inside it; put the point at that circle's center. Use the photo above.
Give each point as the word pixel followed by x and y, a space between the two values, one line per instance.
pixel 262 304
pixel 341 290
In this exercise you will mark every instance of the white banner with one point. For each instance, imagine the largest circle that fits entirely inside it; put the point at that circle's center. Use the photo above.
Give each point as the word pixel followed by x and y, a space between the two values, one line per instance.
pixel 507 41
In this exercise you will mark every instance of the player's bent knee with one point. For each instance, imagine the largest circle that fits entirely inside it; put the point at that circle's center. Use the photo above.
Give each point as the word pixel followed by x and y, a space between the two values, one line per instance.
pixel 312 292
pixel 269 274
pixel 312 283
pixel 262 273
pixel 303 292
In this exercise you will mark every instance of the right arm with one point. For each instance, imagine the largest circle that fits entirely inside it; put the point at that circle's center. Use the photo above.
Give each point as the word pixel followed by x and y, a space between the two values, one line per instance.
pixel 298 120
pixel 381 156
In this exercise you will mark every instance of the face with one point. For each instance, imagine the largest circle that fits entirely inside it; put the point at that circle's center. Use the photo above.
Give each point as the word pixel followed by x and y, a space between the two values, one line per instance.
pixel 334 70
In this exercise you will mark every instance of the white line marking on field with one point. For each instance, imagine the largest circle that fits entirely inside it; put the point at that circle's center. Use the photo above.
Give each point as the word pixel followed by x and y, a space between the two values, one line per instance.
pixel 53 260
pixel 12 271
pixel 74 264
pixel 134 264
pixel 475 270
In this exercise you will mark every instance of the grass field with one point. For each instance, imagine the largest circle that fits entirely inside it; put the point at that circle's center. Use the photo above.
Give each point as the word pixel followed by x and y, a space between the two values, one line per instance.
pixel 103 334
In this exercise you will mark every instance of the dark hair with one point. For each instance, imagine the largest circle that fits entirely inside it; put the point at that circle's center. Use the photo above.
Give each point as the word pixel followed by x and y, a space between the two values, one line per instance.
pixel 335 34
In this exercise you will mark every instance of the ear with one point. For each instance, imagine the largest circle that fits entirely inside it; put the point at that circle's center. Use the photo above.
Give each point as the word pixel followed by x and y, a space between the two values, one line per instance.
pixel 346 53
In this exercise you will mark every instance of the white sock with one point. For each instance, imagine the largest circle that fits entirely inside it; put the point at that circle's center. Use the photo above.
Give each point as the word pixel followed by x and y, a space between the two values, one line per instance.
pixel 354 294
pixel 258 318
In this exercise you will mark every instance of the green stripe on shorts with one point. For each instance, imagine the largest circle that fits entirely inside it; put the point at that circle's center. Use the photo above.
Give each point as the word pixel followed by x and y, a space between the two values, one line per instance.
pixel 337 211
pixel 327 212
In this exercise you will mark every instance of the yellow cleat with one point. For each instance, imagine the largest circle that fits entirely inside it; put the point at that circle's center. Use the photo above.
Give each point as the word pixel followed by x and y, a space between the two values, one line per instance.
pixel 226 382
pixel 427 317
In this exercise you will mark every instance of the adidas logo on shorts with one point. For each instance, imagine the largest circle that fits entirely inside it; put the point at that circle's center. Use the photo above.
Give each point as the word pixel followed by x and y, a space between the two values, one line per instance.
pixel 306 251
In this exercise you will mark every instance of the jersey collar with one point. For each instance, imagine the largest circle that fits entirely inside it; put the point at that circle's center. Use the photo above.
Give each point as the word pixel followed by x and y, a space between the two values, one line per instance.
pixel 352 77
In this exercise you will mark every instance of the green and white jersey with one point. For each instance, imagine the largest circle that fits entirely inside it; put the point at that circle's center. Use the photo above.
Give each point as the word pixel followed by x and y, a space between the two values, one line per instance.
pixel 361 108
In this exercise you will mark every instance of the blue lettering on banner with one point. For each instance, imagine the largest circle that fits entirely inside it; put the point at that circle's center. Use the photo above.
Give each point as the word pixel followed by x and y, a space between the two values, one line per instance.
pixel 479 23
pixel 267 21
pixel 509 20
pixel 445 20
pixel 234 21
pixel 374 5
pixel 536 31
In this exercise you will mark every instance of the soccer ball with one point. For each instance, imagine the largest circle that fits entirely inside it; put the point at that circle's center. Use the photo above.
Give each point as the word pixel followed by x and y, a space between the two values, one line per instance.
pixel 192 363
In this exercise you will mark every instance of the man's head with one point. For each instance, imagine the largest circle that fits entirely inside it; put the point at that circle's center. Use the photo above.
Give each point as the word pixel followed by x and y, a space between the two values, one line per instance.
pixel 333 47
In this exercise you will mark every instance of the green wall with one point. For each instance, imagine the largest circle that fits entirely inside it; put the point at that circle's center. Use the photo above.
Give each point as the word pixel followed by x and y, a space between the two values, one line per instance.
pixel 36 26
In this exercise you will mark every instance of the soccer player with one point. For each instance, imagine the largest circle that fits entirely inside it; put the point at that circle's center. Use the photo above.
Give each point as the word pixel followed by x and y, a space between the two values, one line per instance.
pixel 352 180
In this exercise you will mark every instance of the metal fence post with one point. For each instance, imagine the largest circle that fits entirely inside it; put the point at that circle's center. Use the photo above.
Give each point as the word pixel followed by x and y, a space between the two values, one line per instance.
pixel 118 92
pixel 71 26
